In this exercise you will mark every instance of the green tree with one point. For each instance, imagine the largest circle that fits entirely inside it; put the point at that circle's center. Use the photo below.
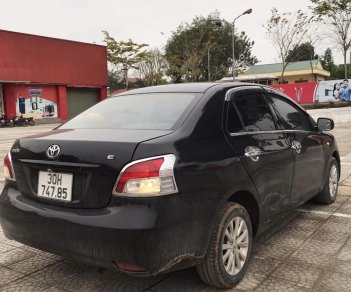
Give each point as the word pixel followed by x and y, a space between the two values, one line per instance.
pixel 189 47
pixel 115 78
pixel 286 32
pixel 124 55
pixel 337 15
pixel 337 72
pixel 302 52
pixel 327 60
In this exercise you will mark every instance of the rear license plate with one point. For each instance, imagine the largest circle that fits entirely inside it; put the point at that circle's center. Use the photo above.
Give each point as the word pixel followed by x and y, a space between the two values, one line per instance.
pixel 55 185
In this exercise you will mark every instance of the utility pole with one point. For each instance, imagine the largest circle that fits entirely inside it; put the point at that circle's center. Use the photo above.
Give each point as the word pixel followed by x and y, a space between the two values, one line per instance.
pixel 248 11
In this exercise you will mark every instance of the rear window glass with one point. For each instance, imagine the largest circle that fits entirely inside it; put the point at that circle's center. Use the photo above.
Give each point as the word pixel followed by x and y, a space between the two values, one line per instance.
pixel 139 111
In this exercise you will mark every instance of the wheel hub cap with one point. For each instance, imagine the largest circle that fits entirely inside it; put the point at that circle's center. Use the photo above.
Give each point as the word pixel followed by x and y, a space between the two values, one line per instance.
pixel 235 246
pixel 333 181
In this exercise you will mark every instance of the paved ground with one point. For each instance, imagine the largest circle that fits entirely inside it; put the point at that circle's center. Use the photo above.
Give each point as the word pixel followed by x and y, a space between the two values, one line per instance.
pixel 339 115
pixel 310 250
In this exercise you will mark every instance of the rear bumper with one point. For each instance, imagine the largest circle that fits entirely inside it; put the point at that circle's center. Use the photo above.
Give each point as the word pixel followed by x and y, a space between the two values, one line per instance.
pixel 160 234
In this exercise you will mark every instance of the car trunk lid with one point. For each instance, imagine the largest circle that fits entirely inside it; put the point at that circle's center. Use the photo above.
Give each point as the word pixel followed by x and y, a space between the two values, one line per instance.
pixel 94 157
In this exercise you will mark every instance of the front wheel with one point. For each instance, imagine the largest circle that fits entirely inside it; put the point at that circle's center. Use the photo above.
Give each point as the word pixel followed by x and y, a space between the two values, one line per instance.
pixel 229 251
pixel 328 194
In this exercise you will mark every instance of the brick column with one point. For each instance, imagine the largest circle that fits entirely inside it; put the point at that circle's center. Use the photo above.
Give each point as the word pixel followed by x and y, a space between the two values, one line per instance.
pixel 10 99
pixel 102 93
pixel 62 103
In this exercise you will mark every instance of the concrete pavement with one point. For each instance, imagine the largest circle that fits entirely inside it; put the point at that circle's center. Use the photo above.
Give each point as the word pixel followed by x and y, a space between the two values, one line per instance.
pixel 339 115
pixel 9 135
pixel 342 133
pixel 310 250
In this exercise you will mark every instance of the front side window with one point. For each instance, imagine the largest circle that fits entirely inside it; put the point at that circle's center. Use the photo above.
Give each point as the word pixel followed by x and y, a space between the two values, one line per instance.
pixel 255 112
pixel 137 111
pixel 292 117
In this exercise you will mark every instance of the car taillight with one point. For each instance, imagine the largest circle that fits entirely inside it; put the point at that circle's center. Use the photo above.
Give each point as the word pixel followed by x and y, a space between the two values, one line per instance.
pixel 147 177
pixel 8 169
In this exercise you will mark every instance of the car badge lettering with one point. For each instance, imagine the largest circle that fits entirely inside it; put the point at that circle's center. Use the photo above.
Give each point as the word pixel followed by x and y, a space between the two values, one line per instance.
pixel 110 157
pixel 53 151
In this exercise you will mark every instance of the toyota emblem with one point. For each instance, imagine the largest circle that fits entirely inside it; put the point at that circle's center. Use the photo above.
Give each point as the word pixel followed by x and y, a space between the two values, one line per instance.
pixel 53 151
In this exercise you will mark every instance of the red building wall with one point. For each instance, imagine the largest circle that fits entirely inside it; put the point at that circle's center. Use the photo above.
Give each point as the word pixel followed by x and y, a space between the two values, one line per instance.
pixel 38 59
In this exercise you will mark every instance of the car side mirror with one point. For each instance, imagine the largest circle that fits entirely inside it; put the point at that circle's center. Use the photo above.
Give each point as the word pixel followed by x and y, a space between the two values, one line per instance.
pixel 325 124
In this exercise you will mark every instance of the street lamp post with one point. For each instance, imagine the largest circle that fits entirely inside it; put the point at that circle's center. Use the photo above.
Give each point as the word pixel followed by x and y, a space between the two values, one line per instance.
pixel 219 24
pixel 248 11
pixel 208 62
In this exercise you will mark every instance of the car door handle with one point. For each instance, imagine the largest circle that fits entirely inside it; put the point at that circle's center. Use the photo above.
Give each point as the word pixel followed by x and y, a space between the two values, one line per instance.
pixel 296 146
pixel 253 153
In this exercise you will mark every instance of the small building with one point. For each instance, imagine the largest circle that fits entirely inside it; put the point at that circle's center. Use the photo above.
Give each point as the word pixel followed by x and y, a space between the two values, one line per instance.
pixel 50 78
pixel 296 72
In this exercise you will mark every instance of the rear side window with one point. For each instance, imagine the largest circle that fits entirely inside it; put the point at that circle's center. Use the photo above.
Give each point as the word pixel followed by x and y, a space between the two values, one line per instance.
pixel 138 111
pixel 255 112
pixel 292 117
pixel 234 124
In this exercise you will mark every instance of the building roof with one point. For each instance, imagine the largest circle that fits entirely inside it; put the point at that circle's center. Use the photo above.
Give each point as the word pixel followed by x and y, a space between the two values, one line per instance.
pixel 278 67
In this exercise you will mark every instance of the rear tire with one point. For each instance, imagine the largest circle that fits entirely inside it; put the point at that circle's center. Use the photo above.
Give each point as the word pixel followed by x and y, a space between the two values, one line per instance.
pixel 328 195
pixel 229 251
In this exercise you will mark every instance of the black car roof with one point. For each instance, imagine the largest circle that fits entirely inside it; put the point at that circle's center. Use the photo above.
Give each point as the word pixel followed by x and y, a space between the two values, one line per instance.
pixel 199 87
pixel 202 87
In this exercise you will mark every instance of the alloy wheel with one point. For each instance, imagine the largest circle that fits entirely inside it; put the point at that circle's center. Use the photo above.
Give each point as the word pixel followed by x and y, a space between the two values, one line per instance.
pixel 333 181
pixel 235 246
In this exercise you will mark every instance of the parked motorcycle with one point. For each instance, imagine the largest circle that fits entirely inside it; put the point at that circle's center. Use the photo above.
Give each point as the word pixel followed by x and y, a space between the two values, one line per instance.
pixel 5 122
pixel 30 121
pixel 20 121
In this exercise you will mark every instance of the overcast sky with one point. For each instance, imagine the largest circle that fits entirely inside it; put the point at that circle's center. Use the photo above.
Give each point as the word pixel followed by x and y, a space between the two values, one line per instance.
pixel 144 21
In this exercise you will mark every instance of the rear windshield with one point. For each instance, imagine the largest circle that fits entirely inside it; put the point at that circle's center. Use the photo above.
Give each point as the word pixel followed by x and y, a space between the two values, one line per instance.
pixel 139 111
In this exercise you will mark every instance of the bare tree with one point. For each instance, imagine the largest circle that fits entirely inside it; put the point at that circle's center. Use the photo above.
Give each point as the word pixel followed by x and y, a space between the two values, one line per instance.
pixel 336 14
pixel 124 54
pixel 287 31
pixel 314 40
pixel 152 69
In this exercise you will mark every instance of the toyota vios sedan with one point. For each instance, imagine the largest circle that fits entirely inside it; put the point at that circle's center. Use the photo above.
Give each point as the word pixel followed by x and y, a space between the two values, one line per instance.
pixel 167 177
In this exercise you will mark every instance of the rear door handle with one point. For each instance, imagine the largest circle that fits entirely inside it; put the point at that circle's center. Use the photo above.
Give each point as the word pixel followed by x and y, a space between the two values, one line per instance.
pixel 253 153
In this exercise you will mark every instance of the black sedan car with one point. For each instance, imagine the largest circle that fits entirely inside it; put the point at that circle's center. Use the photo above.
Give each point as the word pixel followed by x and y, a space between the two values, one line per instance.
pixel 167 177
